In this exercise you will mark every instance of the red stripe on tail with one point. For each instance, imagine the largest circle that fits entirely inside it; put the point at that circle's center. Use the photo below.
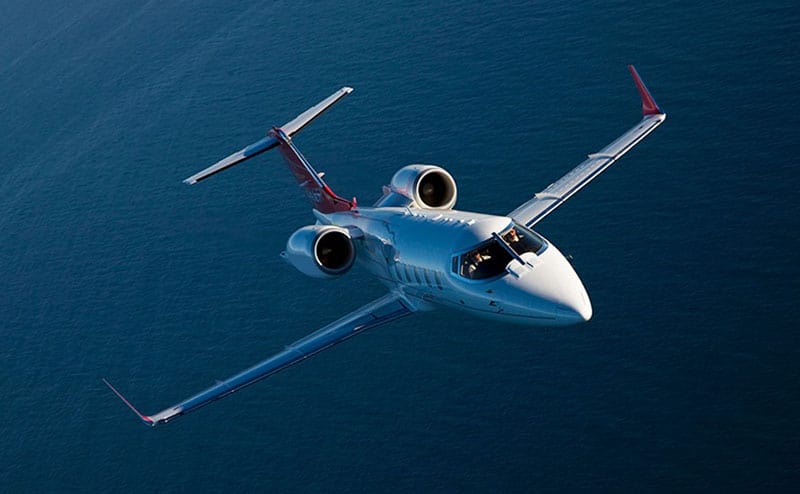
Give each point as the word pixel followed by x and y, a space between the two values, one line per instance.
pixel 315 189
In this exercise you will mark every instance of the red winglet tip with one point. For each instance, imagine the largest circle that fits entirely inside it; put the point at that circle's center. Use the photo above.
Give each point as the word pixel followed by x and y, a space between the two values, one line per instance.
pixel 649 105
pixel 144 418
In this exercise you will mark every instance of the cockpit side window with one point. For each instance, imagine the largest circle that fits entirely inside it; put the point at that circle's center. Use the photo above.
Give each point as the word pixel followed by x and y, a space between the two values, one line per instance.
pixel 523 240
pixel 486 261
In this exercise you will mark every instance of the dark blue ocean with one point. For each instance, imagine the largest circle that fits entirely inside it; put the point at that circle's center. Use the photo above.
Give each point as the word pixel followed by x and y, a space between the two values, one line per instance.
pixel 686 379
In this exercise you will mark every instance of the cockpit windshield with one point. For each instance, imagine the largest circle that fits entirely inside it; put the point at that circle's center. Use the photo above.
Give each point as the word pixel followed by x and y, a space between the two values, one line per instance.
pixel 491 258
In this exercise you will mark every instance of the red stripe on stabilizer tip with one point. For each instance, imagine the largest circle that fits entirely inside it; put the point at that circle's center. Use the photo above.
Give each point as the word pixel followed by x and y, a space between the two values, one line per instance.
pixel 144 418
pixel 649 105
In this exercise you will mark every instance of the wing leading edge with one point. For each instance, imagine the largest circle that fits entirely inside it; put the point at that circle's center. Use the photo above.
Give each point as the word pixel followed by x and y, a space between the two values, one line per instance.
pixel 546 201
pixel 381 311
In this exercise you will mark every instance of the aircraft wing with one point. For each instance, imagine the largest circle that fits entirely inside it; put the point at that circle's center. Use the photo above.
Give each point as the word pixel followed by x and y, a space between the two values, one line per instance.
pixel 386 309
pixel 546 201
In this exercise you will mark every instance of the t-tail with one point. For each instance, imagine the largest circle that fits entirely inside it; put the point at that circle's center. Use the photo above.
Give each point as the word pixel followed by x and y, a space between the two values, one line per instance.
pixel 314 187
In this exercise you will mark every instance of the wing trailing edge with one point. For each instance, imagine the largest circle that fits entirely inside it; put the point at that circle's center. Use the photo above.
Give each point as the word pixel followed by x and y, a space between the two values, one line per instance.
pixel 386 309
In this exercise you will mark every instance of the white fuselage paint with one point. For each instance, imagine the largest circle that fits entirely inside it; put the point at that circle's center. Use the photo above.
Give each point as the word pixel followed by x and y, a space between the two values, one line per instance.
pixel 412 250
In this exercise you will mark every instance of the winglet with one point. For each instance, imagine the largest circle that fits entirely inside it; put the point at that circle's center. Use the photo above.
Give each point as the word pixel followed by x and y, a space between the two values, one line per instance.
pixel 144 418
pixel 649 105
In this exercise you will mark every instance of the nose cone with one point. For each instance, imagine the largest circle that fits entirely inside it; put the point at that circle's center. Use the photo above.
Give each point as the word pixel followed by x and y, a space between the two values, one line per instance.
pixel 571 301
pixel 554 287
pixel 579 311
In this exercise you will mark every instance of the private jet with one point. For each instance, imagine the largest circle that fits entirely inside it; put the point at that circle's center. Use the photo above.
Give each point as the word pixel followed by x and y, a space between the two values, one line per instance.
pixel 428 254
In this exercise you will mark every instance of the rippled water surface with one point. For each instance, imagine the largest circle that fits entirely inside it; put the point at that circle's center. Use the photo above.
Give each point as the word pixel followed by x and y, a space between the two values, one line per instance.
pixel 685 379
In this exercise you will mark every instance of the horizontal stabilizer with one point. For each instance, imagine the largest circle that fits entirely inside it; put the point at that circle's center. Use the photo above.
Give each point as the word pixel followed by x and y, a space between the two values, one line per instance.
pixel 254 149
pixel 308 116
pixel 290 128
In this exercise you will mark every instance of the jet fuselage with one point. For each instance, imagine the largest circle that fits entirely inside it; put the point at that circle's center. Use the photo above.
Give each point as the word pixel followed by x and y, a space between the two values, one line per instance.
pixel 421 253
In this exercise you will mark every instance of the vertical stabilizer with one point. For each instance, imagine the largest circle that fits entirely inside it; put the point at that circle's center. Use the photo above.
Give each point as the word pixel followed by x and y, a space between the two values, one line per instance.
pixel 315 189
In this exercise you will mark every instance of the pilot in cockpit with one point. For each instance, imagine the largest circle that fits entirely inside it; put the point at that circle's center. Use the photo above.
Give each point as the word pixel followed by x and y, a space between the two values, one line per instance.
pixel 513 240
pixel 475 262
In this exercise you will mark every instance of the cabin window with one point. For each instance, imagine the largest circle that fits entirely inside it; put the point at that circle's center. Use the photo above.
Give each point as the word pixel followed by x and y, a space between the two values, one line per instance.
pixel 418 275
pixel 428 277
pixel 438 280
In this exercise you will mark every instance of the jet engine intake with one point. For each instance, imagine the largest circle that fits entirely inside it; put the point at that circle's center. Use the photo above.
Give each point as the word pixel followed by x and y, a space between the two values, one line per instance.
pixel 321 251
pixel 429 186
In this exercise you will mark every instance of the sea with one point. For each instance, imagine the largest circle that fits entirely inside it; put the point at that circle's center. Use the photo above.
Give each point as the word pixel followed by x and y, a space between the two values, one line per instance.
pixel 687 379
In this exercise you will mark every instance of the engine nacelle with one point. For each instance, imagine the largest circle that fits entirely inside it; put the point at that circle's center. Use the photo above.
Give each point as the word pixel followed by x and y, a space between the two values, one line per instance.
pixel 321 251
pixel 429 186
